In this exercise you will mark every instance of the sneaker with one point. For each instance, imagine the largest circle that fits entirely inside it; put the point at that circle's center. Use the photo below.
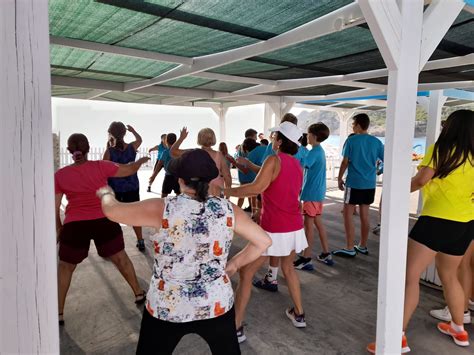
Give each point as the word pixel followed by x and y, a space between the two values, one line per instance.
pixel 405 348
pixel 362 250
pixel 248 209
pixel 376 229
pixel 266 285
pixel 148 189
pixel 348 253
pixel 444 315
pixel 303 263
pixel 141 245
pixel 325 258
pixel 471 305
pixel 460 338
pixel 241 335
pixel 297 320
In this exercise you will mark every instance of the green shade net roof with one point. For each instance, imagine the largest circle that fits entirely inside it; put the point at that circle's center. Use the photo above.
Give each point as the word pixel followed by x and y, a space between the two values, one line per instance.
pixel 192 28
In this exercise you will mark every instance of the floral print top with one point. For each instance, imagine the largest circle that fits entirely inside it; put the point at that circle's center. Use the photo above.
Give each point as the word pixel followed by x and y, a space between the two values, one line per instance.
pixel 189 282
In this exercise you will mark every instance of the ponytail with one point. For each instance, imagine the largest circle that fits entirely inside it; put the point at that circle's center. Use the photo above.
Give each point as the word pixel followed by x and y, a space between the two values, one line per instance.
pixel 78 146
pixel 201 188
pixel 77 156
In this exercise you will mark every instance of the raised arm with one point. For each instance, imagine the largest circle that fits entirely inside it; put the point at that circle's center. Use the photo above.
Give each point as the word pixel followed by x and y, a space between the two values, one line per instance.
pixel 268 173
pixel 175 152
pixel 424 175
pixel 138 139
pixel 258 240
pixel 153 149
pixel 131 168
pixel 147 213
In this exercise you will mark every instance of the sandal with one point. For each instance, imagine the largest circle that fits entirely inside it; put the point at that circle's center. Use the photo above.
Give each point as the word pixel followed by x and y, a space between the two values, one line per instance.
pixel 140 298
pixel 61 319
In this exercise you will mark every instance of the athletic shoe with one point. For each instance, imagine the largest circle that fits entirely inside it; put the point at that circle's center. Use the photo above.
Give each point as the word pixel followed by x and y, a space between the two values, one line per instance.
pixel 297 320
pixel 376 229
pixel 241 335
pixel 362 250
pixel 471 305
pixel 460 338
pixel 325 258
pixel 445 315
pixel 303 263
pixel 141 245
pixel 148 189
pixel 266 285
pixel 405 348
pixel 248 209
pixel 348 253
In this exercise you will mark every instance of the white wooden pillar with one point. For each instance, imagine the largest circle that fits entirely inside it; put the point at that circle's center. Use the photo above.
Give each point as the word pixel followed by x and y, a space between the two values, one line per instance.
pixel 435 106
pixel 28 274
pixel 406 38
pixel 221 112
pixel 274 111
pixel 268 121
pixel 344 117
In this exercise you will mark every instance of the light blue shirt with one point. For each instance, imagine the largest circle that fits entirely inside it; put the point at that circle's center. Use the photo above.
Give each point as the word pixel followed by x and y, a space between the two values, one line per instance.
pixel 166 158
pixel 161 149
pixel 256 156
pixel 363 151
pixel 301 154
pixel 314 179
pixel 245 178
pixel 268 152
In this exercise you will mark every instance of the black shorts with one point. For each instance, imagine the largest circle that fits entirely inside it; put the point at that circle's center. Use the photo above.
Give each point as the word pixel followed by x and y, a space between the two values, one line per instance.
pixel 219 333
pixel 443 235
pixel 75 239
pixel 128 196
pixel 359 196
pixel 170 183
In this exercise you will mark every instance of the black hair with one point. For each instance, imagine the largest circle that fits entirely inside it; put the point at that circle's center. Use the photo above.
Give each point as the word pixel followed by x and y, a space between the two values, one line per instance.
pixel 117 130
pixel 455 144
pixel 264 141
pixel 249 144
pixel 289 117
pixel 78 146
pixel 304 139
pixel 320 131
pixel 250 133
pixel 170 139
pixel 362 120
pixel 201 188
pixel 163 135
pixel 286 146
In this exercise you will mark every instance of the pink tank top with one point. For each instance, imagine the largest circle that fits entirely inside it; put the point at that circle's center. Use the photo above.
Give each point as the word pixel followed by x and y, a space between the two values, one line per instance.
pixel 280 201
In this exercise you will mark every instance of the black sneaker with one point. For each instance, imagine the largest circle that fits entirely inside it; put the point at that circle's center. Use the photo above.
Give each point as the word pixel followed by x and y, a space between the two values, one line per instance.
pixel 326 258
pixel 266 285
pixel 303 263
pixel 362 250
pixel 248 209
pixel 240 335
pixel 148 189
pixel 141 245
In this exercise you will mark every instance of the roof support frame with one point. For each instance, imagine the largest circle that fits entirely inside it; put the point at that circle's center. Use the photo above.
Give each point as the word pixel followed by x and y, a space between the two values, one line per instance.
pixel 337 20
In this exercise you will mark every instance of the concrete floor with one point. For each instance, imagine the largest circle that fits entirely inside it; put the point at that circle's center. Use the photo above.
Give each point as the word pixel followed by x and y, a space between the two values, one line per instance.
pixel 340 304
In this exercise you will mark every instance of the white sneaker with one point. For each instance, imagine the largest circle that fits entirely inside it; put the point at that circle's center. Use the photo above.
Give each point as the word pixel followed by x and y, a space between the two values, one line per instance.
pixel 471 305
pixel 444 315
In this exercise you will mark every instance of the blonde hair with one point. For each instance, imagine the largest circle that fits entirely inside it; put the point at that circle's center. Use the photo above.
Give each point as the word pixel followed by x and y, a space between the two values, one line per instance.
pixel 206 137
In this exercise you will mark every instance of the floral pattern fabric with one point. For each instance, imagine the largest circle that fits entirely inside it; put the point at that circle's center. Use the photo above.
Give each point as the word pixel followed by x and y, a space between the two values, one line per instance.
pixel 189 282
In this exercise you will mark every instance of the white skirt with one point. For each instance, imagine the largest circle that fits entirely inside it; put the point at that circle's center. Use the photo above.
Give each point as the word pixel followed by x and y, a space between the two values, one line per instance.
pixel 284 243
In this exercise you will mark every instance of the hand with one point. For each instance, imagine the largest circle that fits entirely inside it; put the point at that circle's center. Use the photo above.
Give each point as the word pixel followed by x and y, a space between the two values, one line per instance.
pixel 105 190
pixel 130 128
pixel 242 161
pixel 231 268
pixel 143 160
pixel 256 216
pixel 183 133
pixel 341 184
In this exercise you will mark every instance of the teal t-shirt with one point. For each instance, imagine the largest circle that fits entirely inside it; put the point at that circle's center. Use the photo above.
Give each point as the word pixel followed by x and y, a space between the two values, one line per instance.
pixel 256 156
pixel 161 149
pixel 301 154
pixel 166 158
pixel 314 178
pixel 363 151
pixel 245 178
pixel 268 152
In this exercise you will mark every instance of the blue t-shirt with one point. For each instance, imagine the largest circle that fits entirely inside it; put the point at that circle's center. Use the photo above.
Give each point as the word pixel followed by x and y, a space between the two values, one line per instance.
pixel 245 178
pixel 256 155
pixel 166 158
pixel 301 154
pixel 268 152
pixel 363 151
pixel 127 183
pixel 161 149
pixel 314 180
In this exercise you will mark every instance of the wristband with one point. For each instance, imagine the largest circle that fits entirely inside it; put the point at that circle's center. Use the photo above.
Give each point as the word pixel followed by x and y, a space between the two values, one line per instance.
pixel 106 193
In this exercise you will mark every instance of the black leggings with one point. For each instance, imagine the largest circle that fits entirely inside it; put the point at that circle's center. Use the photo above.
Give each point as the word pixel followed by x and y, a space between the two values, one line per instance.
pixel 161 337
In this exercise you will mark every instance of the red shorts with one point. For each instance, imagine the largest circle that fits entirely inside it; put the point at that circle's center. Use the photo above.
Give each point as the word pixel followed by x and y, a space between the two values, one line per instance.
pixel 75 239
pixel 312 208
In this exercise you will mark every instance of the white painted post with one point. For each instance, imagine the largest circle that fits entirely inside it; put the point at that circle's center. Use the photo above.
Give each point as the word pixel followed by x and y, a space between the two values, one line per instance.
pixel 401 112
pixel 435 106
pixel 344 117
pixel 221 112
pixel 28 272
pixel 268 121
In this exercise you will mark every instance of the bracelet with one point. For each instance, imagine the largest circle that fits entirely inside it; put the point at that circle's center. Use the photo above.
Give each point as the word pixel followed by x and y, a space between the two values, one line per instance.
pixel 106 193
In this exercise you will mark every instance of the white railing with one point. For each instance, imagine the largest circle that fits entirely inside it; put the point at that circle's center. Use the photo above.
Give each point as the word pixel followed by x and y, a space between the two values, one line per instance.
pixel 96 153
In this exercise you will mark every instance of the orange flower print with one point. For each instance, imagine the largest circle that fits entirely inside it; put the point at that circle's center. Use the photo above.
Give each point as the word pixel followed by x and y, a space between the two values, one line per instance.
pixel 156 246
pixel 164 223
pixel 218 310
pixel 161 285
pixel 216 249
pixel 226 279
pixel 149 309
pixel 229 221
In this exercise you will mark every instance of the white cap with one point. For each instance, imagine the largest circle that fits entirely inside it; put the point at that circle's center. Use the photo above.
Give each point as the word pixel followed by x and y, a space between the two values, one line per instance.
pixel 289 130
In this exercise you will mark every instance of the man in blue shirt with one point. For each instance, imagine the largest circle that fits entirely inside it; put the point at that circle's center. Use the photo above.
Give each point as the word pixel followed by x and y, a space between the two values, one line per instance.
pixel 160 148
pixel 312 196
pixel 360 156
pixel 170 182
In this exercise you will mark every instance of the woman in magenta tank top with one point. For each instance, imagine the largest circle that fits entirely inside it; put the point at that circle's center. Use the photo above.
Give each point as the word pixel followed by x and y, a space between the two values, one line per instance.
pixel 279 182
